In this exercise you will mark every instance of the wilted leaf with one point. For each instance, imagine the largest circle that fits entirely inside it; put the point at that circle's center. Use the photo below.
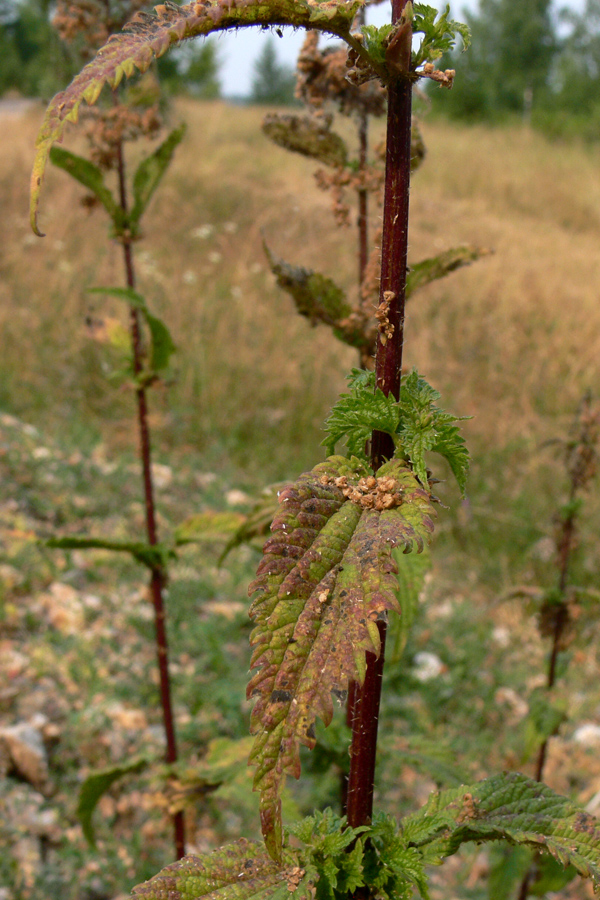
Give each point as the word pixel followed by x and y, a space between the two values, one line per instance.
pixel 154 556
pixel 148 36
pixel 319 299
pixel 308 136
pixel 412 569
pixel 238 871
pixel 327 577
pixel 429 270
pixel 97 784
pixel 208 526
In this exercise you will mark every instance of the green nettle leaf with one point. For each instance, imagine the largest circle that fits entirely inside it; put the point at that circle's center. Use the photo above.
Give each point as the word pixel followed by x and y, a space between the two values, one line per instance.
pixel 154 556
pixel 414 422
pixel 376 39
pixel 150 172
pixel 439 33
pixel 391 866
pixel 435 267
pixel 425 427
pixel 162 346
pixel 238 871
pixel 308 136
pixel 508 807
pixel 327 577
pixel 357 414
pixel 148 36
pixel 328 839
pixel 90 176
pixel 95 785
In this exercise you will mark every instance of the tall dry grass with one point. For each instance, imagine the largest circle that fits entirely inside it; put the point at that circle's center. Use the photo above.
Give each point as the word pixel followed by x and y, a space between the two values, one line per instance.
pixel 513 341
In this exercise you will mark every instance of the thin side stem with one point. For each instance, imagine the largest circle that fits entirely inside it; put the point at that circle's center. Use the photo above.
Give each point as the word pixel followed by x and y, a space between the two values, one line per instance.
pixel 567 540
pixel 363 194
pixel 363 199
pixel 365 712
pixel 156 578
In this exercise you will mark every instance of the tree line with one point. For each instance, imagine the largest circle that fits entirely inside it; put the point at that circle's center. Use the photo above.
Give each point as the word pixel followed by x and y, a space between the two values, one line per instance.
pixel 533 61
pixel 526 60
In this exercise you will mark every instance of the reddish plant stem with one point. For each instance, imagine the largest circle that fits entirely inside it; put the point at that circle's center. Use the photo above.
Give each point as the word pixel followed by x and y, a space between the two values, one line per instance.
pixel 156 578
pixel 363 199
pixel 365 709
pixel 567 540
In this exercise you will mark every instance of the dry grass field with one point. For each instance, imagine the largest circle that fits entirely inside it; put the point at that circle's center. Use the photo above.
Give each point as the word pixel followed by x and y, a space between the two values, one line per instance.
pixel 512 341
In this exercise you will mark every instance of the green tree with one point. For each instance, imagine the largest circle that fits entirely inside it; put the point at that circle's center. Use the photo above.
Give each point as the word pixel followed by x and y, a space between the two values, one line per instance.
pixel 577 71
pixel 32 58
pixel 193 69
pixel 272 82
pixel 509 64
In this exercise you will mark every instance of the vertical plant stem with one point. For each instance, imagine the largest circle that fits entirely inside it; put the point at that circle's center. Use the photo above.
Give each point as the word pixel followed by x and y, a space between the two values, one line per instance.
pixel 566 543
pixel 156 578
pixel 365 710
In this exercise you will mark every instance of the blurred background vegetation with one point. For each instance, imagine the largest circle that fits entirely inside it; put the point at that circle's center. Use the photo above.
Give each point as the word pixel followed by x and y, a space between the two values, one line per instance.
pixel 513 341
pixel 534 60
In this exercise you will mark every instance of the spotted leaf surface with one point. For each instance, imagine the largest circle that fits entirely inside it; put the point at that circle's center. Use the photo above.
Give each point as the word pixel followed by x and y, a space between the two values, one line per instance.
pixel 326 578
pixel 238 871
pixel 508 807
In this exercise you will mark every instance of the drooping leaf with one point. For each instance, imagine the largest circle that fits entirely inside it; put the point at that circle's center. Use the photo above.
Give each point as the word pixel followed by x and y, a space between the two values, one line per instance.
pixel 429 757
pixel 208 526
pixel 239 871
pixel 319 299
pixel 153 556
pixel 95 785
pixel 90 176
pixel 327 577
pixel 149 173
pixel 543 720
pixel 308 136
pixel 412 569
pixel 439 266
pixel 149 35
pixel 549 875
pixel 508 807
pixel 508 867
pixel 257 523
pixel 162 346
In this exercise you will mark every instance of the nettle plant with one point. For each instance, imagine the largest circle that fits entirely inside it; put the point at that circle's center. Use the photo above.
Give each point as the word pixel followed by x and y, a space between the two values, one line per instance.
pixel 328 578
